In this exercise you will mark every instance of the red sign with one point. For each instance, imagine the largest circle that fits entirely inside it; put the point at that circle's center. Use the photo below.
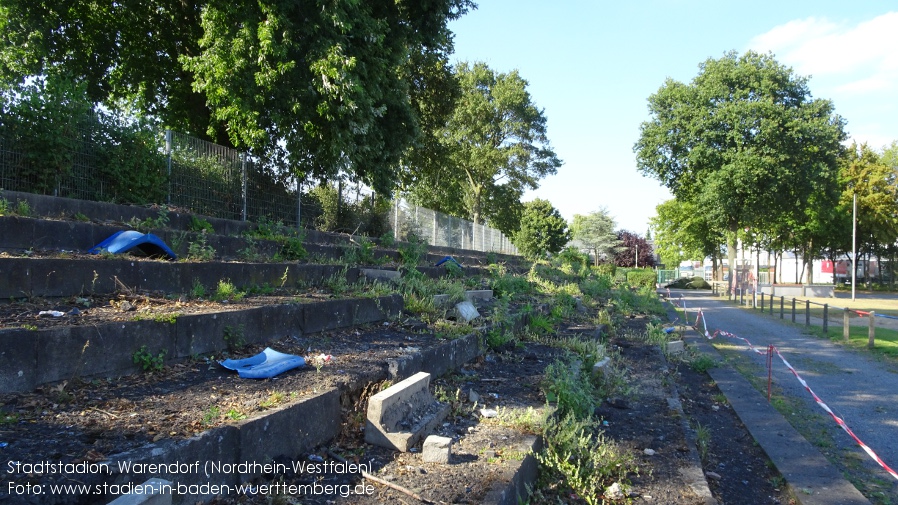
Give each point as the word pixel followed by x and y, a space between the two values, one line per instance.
pixel 826 267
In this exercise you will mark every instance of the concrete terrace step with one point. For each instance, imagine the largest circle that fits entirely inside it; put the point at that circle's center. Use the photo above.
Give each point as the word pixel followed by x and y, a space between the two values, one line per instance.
pixel 84 235
pixel 238 451
pixel 63 277
pixel 27 233
pixel 29 358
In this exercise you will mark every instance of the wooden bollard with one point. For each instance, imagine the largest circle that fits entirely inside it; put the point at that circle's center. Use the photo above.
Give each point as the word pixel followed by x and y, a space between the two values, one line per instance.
pixel 871 332
pixel 846 325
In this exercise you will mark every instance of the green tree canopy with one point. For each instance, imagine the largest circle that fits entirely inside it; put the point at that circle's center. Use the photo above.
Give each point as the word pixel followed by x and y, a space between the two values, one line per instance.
pixel 867 174
pixel 595 232
pixel 682 233
pixel 744 142
pixel 494 147
pixel 542 230
pixel 333 87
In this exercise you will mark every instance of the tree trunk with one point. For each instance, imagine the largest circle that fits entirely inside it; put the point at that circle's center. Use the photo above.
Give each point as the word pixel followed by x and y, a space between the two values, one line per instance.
pixel 731 257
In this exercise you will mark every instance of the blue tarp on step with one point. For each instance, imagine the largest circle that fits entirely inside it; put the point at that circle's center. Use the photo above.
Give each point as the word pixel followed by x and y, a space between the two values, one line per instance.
pixel 124 241
pixel 264 365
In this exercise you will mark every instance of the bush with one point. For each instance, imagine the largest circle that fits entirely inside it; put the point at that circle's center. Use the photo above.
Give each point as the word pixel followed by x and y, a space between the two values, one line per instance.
pixel 689 283
pixel 608 269
pixel 52 122
pixel 641 278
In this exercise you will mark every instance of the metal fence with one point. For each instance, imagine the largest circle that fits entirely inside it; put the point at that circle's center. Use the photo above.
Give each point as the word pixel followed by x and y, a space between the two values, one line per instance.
pixel 219 181
pixel 438 229
pixel 73 176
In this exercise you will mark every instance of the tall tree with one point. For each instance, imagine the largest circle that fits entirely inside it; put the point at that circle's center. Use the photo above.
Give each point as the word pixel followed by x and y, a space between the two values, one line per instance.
pixel 868 175
pixel 595 232
pixel 542 230
pixel 496 142
pixel 744 141
pixel 328 86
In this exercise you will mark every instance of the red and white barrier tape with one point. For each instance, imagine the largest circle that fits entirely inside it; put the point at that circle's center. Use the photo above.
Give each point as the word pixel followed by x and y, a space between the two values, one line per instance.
pixel 773 349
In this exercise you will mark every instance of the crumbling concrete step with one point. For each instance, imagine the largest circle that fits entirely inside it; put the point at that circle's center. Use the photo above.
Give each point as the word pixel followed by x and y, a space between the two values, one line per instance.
pixel 401 415
pixel 67 208
pixel 29 358
pixel 442 301
pixel 234 453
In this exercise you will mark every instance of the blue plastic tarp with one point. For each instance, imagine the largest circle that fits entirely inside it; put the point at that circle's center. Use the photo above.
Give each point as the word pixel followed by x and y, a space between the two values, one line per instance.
pixel 264 365
pixel 449 259
pixel 124 241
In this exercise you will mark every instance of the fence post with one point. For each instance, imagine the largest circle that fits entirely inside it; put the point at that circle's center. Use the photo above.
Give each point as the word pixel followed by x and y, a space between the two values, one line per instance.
pixel 762 302
pixel 782 306
pixel 825 319
pixel 871 332
pixel 244 196
pixel 299 205
pixel 793 310
pixel 846 326
pixel 168 155
pixel 807 312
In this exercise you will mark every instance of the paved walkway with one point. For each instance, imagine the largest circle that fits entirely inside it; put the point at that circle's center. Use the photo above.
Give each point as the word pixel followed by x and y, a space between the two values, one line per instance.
pixel 859 388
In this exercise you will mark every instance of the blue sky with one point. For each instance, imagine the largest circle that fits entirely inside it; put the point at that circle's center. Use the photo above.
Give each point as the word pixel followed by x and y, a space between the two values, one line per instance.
pixel 592 65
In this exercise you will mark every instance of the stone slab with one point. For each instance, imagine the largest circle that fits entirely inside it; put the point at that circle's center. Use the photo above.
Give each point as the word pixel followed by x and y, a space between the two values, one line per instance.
pixel 437 449
pixel 601 366
pixel 478 294
pixel 399 416
pixel 375 274
pixel 466 311
pixel 675 347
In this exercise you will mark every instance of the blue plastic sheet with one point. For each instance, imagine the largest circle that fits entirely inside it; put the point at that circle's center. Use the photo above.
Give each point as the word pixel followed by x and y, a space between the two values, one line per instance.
pixel 264 365
pixel 124 241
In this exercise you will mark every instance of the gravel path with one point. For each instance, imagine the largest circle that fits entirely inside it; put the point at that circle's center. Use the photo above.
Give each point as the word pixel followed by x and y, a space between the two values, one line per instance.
pixel 859 388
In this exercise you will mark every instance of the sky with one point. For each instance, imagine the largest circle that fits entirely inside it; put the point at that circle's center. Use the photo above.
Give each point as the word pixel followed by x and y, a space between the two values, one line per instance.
pixel 591 66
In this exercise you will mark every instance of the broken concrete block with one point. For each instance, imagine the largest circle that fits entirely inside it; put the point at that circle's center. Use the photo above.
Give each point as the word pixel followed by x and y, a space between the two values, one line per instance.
pixel 600 367
pixel 466 311
pixel 437 449
pixel 153 492
pixel 399 416
pixel 376 274
pixel 675 347
pixel 478 294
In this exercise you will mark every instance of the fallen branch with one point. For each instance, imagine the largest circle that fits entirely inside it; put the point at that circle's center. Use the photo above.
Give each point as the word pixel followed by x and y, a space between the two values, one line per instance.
pixel 383 482
pixel 104 412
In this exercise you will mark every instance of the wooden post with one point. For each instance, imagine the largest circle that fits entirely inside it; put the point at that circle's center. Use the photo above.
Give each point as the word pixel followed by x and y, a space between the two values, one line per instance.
pixel 762 301
pixel 771 304
pixel 741 296
pixel 871 332
pixel 807 312
pixel 782 306
pixel 825 319
pixel 846 325
pixel 793 310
